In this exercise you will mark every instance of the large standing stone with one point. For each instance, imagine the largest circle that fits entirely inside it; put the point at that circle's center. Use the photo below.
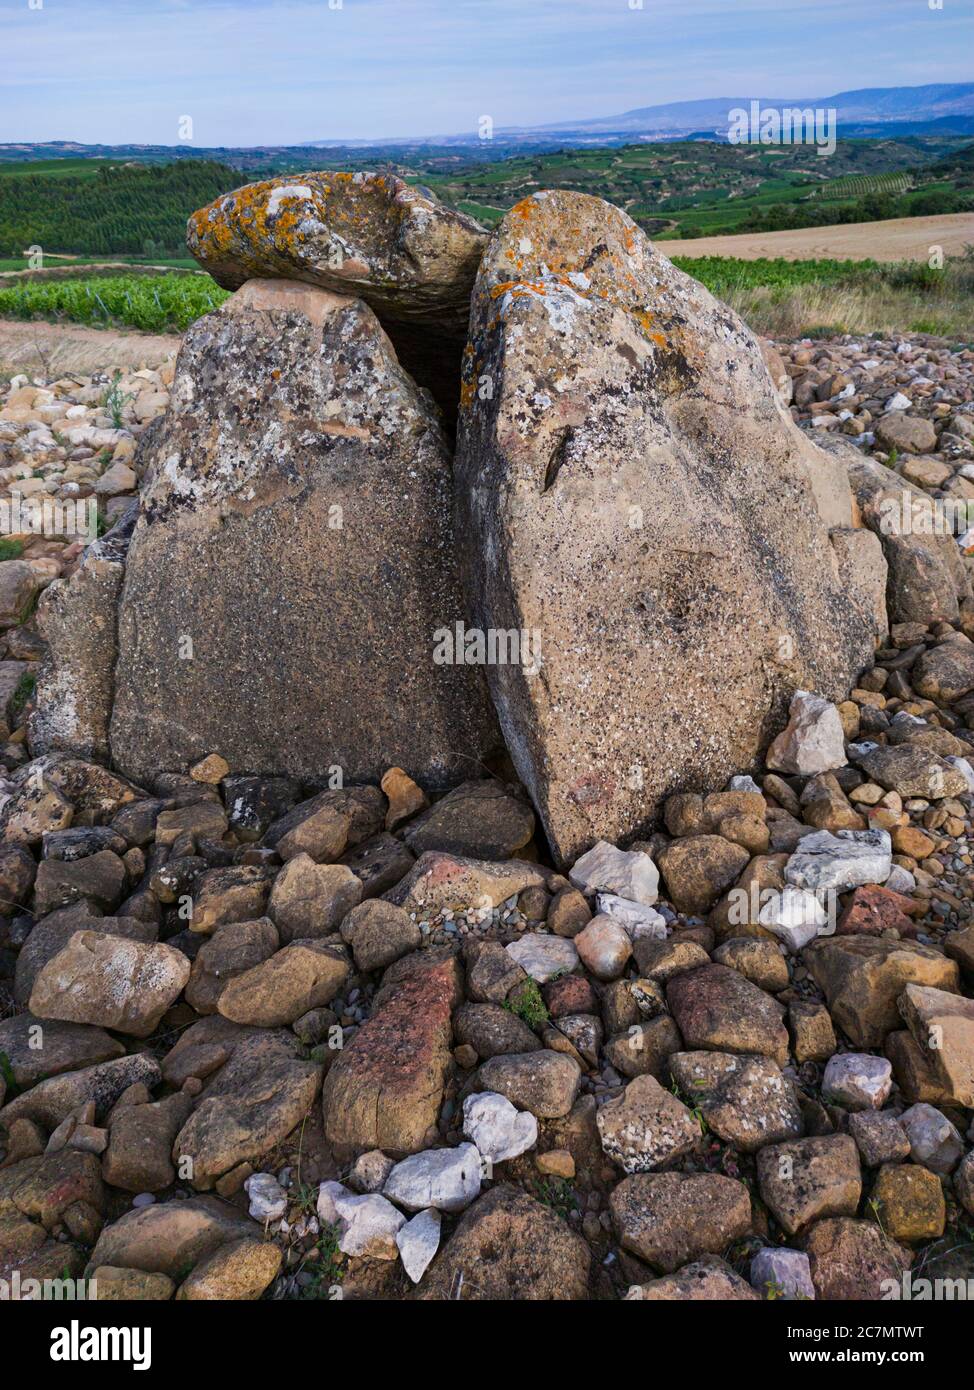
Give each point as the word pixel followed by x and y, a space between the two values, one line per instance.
pixel 295 553
pixel 650 519
pixel 409 257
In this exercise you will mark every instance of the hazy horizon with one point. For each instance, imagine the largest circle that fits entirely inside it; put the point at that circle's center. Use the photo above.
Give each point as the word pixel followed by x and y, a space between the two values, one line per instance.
pixel 250 72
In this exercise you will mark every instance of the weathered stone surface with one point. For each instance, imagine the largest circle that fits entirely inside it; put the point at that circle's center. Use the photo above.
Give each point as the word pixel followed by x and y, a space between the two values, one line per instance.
pixel 379 933
pixel 879 1136
pixel 668 1219
pixel 628 874
pixel 912 771
pixel 439 880
pixel 925 570
pixel 757 960
pixel 240 1270
pixel 813 1036
pixel 114 1285
pixel 302 976
pixel 75 683
pixel 32 811
pixel 51 934
pixel 483 820
pixel 646 1127
pixel 857 1081
pixel 171 1237
pixel 786 1274
pixel 812 741
pixel 36 1048
pixel 310 899
pixel 853 1260
pixel 807 1179
pixel 544 1082
pixel 907 1202
pixel 384 1089
pixel 491 972
pixel 98 879
pixel 251 1104
pixel 697 869
pixel 644 1048
pixel 934 1141
pixel 371 235
pixel 744 1100
pixel 944 673
pixel 709 1280
pixel 943 1023
pixel 508 1246
pixel 51 1101
pixel 323 836
pixel 604 947
pixel 872 910
pixel 717 1009
pixel 232 949
pixel 139 1153
pixel 237 894
pixel 862 978
pixel 418 1241
pixel 111 982
pixel 824 861
pixel 625 395
pixel 499 1130
pixel 493 1031
pixel 448 1179
pixel 322 459
pixel 543 957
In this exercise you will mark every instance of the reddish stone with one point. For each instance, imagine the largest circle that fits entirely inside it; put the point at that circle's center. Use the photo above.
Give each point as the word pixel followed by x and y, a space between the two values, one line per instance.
pixel 717 1009
pixel 384 1090
pixel 872 910
pixel 572 994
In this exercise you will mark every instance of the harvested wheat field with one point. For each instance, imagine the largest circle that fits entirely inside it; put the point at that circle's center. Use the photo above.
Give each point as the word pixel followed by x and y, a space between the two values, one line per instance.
pixel 901 239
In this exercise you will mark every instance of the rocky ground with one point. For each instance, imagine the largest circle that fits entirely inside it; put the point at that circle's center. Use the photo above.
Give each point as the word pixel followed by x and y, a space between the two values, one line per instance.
pixel 265 1037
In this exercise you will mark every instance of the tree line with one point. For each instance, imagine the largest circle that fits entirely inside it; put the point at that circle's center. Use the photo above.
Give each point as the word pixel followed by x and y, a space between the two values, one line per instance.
pixel 121 210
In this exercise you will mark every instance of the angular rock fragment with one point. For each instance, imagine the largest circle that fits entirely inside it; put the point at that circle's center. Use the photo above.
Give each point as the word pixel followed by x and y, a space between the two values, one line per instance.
pixel 110 982
pixel 862 979
pixel 508 1246
pixel 716 1008
pixel 646 1127
pixel 668 1219
pixel 807 1179
pixel 744 1100
pixel 384 1089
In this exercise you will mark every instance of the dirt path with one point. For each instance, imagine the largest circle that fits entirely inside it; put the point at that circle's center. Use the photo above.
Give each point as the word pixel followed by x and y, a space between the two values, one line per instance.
pixel 51 349
pixel 123 267
pixel 901 239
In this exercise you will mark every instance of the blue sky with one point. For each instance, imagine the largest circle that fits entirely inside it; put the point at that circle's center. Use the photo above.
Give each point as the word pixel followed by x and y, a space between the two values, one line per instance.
pixel 256 72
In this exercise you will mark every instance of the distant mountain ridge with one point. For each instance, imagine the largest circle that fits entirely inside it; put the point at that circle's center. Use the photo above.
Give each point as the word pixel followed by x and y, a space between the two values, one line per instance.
pixel 926 109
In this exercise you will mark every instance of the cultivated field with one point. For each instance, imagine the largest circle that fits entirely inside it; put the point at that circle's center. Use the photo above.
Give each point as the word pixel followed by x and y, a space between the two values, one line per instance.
pixel 903 239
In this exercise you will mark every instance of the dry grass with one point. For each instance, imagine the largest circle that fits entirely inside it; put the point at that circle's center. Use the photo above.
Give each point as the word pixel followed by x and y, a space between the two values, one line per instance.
pixel 853 309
